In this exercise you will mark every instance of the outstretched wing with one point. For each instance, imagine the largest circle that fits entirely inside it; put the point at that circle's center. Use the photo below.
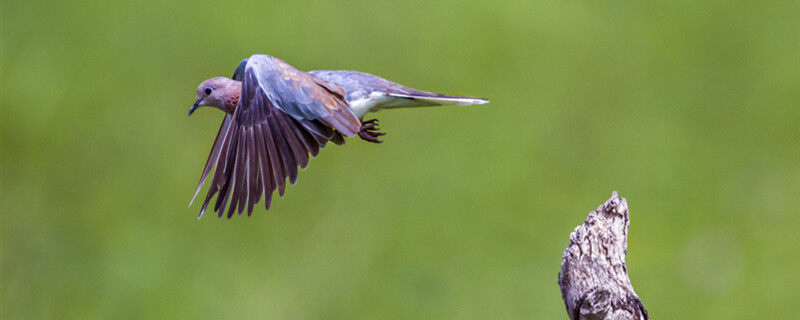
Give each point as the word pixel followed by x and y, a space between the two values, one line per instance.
pixel 283 116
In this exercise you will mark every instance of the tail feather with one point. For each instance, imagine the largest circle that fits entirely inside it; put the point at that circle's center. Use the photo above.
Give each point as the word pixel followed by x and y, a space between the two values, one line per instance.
pixel 376 101
pixel 369 93
pixel 434 99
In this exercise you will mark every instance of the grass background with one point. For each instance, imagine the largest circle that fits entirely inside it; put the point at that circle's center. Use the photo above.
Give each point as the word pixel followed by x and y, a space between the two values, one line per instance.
pixel 689 109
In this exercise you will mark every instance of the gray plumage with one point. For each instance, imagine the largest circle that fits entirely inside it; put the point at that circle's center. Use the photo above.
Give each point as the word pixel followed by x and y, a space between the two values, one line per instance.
pixel 368 93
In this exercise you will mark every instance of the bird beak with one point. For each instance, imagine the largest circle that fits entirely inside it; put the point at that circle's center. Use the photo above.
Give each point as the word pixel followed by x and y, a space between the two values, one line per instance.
pixel 195 106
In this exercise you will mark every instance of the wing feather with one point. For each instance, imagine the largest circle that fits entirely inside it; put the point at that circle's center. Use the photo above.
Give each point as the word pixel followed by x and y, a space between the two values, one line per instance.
pixel 308 141
pixel 240 190
pixel 253 177
pixel 299 150
pixel 264 166
pixel 214 155
pixel 227 176
pixel 274 157
pixel 287 162
pixel 300 94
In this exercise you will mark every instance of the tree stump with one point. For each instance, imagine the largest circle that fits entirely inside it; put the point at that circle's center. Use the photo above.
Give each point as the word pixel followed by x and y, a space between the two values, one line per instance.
pixel 594 278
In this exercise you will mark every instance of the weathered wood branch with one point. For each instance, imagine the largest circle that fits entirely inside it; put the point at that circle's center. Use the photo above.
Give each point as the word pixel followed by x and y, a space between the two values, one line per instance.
pixel 594 278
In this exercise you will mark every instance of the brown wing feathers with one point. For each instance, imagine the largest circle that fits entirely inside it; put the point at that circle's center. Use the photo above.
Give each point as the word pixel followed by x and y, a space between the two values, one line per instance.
pixel 215 151
pixel 256 160
pixel 262 144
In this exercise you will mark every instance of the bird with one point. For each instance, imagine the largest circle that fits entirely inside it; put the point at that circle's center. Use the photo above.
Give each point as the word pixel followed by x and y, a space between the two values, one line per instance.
pixel 278 117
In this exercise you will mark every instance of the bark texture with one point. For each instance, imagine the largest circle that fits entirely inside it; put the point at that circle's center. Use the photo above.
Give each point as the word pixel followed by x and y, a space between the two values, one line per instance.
pixel 594 278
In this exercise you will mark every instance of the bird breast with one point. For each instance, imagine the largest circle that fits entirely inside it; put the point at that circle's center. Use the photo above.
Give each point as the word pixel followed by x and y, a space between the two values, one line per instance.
pixel 230 107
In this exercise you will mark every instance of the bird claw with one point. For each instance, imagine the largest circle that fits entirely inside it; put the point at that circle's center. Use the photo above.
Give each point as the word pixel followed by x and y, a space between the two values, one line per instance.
pixel 369 131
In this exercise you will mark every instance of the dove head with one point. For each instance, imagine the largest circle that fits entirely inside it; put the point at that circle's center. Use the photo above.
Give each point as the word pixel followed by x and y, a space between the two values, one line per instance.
pixel 220 92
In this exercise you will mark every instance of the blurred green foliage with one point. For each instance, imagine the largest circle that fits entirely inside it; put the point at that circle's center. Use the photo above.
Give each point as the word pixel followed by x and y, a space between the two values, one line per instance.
pixel 687 108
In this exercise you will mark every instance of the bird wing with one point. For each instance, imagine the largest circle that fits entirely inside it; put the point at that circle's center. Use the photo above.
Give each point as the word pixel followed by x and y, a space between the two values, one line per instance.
pixel 283 116
pixel 300 94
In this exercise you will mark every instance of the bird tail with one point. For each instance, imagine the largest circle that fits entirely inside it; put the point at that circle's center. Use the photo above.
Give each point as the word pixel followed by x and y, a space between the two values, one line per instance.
pixel 428 99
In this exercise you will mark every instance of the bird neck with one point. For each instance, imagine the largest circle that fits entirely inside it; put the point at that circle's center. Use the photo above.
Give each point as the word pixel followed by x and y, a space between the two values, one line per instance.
pixel 230 106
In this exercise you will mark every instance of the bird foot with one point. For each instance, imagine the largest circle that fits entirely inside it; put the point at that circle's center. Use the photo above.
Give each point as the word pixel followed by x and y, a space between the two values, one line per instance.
pixel 369 131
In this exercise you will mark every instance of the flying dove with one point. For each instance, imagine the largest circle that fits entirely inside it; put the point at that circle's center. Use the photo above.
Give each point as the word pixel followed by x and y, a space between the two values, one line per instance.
pixel 276 116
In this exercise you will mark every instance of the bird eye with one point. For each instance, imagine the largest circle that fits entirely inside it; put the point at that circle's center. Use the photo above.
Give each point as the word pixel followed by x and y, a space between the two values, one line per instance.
pixel 208 90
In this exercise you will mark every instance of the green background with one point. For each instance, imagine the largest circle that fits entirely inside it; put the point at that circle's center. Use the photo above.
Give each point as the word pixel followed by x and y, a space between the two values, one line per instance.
pixel 688 108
